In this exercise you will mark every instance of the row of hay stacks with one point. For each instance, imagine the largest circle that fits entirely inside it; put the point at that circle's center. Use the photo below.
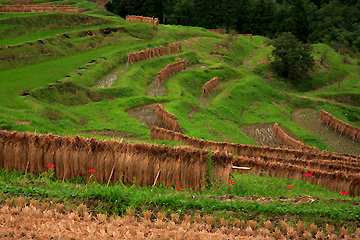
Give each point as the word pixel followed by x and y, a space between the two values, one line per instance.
pixel 340 125
pixel 142 55
pixel 133 18
pixel 242 34
pixel 336 180
pixel 171 69
pixel 289 141
pixel 333 170
pixel 102 3
pixel 74 156
pixel 210 85
pixel 153 52
pixel 40 8
pixel 169 119
pixel 173 47
pixel 214 31
pixel 249 150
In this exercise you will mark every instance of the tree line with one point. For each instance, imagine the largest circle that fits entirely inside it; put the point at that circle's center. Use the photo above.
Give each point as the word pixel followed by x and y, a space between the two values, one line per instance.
pixel 335 22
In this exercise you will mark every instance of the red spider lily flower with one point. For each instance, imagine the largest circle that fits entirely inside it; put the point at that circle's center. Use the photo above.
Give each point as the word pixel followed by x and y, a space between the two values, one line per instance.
pixel 50 165
pixel 179 189
pixel 344 193
pixel 91 170
pixel 309 175
pixel 232 182
pixel 290 186
pixel 229 181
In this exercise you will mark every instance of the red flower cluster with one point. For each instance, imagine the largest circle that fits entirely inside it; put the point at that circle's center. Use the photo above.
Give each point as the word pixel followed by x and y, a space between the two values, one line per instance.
pixel 309 175
pixel 343 193
pixel 50 165
pixel 231 182
pixel 91 170
pixel 179 189
pixel 291 186
pixel 263 62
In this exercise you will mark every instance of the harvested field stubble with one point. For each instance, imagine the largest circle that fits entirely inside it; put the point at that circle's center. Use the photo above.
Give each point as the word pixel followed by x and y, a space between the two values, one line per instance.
pixel 310 120
pixel 338 172
pixel 341 126
pixel 74 156
pixel 263 134
pixel 35 221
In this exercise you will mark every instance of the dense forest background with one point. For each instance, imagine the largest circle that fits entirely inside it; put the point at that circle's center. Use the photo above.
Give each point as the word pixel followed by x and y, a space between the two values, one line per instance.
pixel 334 22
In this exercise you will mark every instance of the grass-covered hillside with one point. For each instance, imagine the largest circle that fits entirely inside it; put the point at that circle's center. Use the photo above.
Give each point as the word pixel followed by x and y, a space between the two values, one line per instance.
pixel 61 73
pixel 50 83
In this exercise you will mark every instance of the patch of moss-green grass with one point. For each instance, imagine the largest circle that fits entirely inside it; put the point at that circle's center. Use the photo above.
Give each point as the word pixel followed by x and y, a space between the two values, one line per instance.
pixel 17 80
pixel 59 46
pixel 38 23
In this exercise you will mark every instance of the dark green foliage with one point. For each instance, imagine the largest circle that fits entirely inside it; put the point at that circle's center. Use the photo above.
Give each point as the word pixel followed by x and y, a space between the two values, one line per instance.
pixel 329 21
pixel 293 59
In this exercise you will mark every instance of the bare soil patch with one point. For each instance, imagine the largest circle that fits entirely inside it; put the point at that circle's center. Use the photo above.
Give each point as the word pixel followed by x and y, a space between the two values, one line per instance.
pixel 296 200
pixel 147 115
pixel 262 134
pixel 22 123
pixel 310 120
pixel 156 89
pixel 109 79
pixel 144 114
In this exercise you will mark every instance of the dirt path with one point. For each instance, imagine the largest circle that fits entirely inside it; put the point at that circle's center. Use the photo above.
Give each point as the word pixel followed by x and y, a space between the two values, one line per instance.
pixel 295 200
pixel 246 61
pixel 310 120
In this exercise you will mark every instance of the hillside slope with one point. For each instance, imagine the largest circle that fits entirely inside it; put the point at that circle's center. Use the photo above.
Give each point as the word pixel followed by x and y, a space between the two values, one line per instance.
pixel 51 69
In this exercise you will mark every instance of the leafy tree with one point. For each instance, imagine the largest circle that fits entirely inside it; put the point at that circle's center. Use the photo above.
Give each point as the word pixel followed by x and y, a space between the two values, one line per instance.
pixel 330 21
pixel 302 15
pixel 126 7
pixel 179 12
pixel 293 59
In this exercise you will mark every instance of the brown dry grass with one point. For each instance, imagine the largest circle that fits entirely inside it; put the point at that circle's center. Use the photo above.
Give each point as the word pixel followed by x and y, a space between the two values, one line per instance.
pixel 34 222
